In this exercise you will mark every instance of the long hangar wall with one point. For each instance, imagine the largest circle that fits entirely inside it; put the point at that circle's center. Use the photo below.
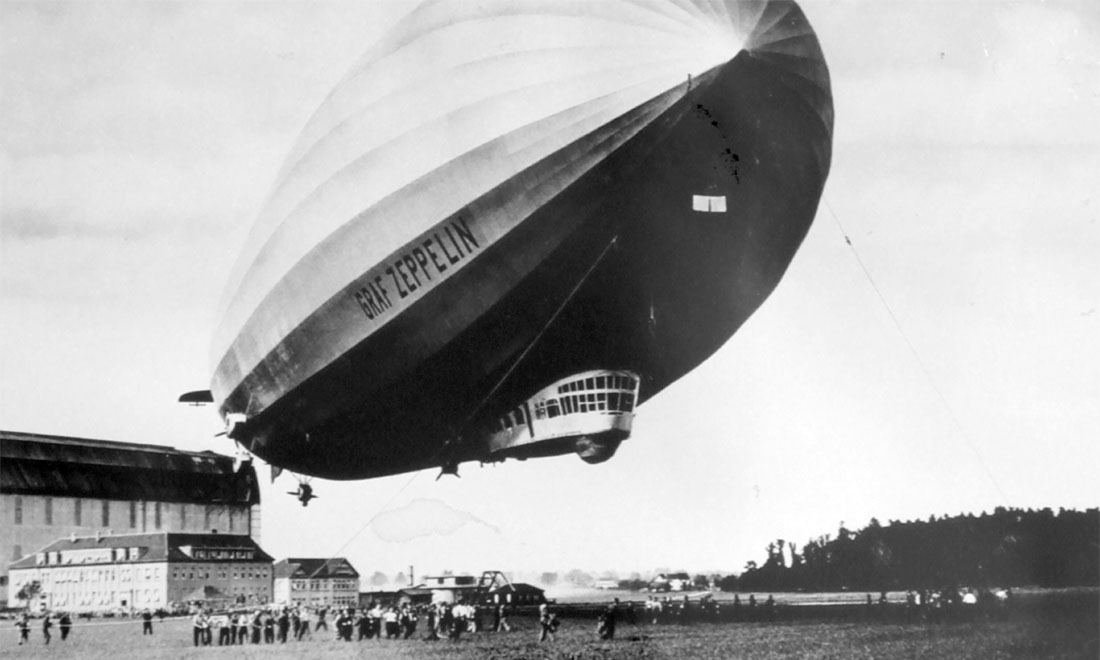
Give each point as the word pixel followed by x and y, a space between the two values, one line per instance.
pixel 54 486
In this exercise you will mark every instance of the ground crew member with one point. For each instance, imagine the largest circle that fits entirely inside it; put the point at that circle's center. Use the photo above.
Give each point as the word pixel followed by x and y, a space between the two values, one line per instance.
pixel 548 623
pixel 196 628
pixel 65 624
pixel 24 629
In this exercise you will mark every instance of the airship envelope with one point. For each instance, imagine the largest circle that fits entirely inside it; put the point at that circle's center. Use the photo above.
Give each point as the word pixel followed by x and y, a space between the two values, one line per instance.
pixel 503 199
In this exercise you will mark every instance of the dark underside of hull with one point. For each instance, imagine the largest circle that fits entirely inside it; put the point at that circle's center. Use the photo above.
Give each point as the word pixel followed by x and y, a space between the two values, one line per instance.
pixel 642 283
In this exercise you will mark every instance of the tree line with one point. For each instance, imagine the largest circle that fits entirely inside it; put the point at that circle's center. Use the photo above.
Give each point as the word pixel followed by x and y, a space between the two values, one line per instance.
pixel 1004 548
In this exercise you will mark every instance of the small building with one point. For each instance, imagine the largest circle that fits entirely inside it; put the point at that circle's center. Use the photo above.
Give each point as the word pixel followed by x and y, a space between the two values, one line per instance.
pixel 52 487
pixel 125 572
pixel 670 582
pixel 451 588
pixel 606 583
pixel 408 595
pixel 316 582
pixel 517 593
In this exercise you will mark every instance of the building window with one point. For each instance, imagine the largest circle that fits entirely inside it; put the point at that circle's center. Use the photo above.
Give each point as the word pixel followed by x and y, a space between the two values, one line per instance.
pixel 156 515
pixel 77 512
pixel 133 515
pixel 49 510
pixel 16 552
pixel 18 510
pixel 206 519
pixel 106 513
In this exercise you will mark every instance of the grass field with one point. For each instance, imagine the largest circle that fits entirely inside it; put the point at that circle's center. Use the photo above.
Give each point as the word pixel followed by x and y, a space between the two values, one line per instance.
pixel 1054 634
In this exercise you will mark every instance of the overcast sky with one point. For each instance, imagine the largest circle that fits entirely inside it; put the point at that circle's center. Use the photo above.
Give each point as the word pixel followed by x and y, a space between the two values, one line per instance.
pixel 138 141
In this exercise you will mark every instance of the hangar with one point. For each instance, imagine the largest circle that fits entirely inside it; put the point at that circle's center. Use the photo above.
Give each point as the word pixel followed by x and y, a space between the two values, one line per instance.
pixel 54 487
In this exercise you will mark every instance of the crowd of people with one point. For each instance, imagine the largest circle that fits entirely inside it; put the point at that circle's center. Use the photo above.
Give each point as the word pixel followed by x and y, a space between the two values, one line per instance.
pixel 282 624
pixel 274 624
pixel 64 624
pixel 660 610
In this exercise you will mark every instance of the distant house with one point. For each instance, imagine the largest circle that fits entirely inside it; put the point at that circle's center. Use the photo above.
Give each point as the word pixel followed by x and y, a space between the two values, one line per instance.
pixel 316 582
pixel 517 593
pixel 451 588
pixel 670 582
pixel 606 583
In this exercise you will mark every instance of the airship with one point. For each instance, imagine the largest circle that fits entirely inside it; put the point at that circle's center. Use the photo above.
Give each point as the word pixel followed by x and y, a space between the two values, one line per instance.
pixel 512 223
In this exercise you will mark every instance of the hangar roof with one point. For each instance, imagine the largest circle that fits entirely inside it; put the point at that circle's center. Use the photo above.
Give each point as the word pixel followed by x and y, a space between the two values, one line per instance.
pixel 33 464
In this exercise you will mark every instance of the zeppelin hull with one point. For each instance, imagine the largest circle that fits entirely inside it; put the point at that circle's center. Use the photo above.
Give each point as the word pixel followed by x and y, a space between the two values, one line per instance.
pixel 643 246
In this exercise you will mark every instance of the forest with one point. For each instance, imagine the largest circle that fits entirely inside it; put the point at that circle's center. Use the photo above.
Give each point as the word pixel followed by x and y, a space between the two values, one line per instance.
pixel 1009 547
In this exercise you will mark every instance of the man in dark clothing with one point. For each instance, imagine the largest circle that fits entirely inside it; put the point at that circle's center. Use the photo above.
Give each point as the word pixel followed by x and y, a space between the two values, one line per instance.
pixel 65 624
pixel 284 626
pixel 432 634
pixel 146 622
pixel 605 629
pixel 257 627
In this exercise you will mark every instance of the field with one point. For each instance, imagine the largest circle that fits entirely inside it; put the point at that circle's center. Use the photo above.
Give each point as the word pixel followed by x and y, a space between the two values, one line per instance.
pixel 1050 629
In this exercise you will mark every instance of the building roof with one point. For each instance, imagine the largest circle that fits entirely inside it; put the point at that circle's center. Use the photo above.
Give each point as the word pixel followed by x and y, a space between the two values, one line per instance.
pixel 305 568
pixel 32 464
pixel 519 588
pixel 155 547
pixel 671 576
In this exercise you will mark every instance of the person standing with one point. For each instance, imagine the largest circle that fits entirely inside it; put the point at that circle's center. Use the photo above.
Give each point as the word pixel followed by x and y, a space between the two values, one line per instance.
pixel 284 625
pixel 225 629
pixel 146 622
pixel 502 624
pixel 547 623
pixel 321 622
pixel 609 621
pixel 242 627
pixel 257 627
pixel 47 623
pixel 196 628
pixel 269 628
pixel 432 634
pixel 65 623
pixel 207 629
pixel 24 629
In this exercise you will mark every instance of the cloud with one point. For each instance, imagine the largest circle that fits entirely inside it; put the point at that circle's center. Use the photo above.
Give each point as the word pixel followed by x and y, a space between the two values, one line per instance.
pixel 423 517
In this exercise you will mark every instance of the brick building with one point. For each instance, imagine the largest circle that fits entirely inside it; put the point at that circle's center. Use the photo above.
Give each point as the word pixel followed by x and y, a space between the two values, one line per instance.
pixel 316 582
